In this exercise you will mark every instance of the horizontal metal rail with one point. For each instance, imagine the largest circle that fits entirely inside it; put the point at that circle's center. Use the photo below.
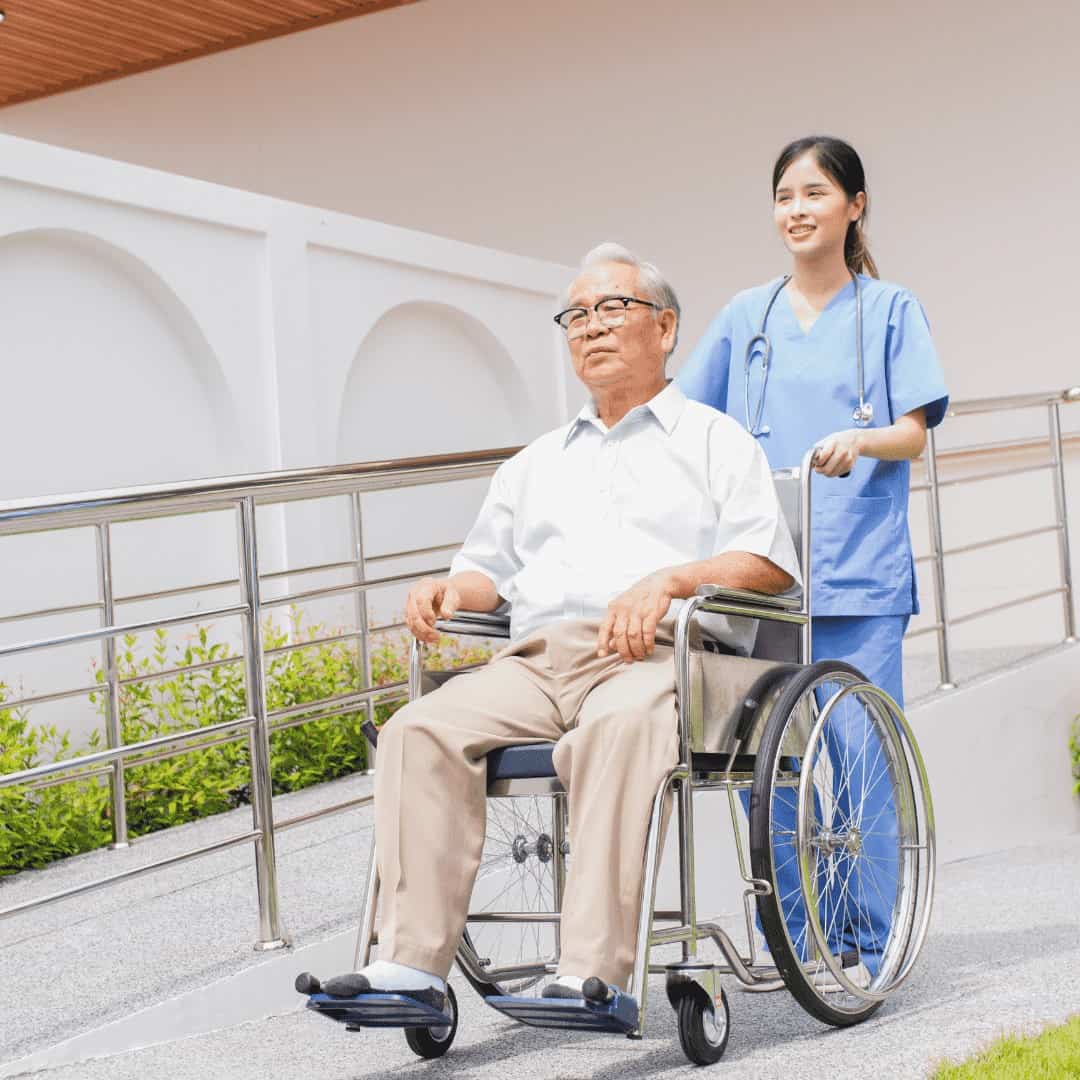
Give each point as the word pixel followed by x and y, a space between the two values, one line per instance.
pixel 994 608
pixel 963 549
pixel 45 613
pixel 1000 446
pixel 119 753
pixel 124 628
pixel 354 587
pixel 130 875
pixel 327 811
pixel 1014 401
pixel 221 493
pixel 974 478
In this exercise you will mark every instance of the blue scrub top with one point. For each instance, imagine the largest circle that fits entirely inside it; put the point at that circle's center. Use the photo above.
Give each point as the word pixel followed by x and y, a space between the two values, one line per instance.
pixel 862 561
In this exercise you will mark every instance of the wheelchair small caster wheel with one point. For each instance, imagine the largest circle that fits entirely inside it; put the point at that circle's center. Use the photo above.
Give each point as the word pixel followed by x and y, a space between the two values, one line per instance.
pixel 433 1042
pixel 703 1032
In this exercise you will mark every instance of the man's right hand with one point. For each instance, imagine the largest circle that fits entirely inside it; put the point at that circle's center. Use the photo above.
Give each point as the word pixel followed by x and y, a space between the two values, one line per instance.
pixel 429 600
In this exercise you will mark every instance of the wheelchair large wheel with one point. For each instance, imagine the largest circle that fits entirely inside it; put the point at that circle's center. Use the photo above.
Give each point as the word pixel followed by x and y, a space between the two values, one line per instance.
pixel 841 827
pixel 517 874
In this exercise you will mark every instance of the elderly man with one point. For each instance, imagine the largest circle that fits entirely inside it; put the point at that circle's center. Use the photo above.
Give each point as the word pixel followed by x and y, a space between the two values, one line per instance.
pixel 593 534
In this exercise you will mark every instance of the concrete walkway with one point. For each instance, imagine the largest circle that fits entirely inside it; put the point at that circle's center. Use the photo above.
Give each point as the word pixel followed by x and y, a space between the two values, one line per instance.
pixel 1003 956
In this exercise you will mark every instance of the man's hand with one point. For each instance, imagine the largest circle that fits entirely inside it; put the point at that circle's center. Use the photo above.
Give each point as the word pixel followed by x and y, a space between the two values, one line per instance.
pixel 629 627
pixel 837 453
pixel 430 599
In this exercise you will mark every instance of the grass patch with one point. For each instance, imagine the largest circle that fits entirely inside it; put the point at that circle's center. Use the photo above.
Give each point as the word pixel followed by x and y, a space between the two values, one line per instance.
pixel 1053 1055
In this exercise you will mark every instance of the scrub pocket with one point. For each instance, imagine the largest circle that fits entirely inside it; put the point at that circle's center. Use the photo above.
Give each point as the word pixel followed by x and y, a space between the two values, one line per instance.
pixel 858 542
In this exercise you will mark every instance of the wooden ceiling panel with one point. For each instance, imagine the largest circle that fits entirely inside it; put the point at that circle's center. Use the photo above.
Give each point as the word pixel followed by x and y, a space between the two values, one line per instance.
pixel 49 46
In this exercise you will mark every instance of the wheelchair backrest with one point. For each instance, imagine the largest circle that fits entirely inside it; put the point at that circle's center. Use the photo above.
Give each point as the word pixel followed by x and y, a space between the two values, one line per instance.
pixel 789 490
pixel 775 640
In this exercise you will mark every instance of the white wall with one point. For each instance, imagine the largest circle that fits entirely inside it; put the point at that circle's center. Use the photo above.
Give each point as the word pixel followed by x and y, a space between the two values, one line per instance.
pixel 157 328
pixel 542 128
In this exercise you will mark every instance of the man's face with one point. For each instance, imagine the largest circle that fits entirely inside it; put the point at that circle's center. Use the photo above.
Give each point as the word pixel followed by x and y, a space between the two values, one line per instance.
pixel 622 357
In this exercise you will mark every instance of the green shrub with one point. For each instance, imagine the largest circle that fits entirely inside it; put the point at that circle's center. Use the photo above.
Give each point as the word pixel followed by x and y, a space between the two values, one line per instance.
pixel 38 826
pixel 50 823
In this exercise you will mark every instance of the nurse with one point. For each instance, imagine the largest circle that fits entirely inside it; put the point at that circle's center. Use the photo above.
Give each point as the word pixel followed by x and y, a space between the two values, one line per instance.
pixel 806 327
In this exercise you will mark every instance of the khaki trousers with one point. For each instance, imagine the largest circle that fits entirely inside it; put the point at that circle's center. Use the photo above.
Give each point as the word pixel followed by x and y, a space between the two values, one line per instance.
pixel 616 732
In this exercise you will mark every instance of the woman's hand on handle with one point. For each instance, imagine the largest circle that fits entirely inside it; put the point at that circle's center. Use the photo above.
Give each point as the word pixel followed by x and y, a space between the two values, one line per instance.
pixel 837 453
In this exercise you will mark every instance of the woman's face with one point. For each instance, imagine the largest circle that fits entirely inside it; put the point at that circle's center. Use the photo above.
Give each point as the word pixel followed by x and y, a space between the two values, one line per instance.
pixel 812 211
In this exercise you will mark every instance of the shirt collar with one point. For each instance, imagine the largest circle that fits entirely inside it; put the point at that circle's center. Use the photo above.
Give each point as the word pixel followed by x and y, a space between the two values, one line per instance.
pixel 666 408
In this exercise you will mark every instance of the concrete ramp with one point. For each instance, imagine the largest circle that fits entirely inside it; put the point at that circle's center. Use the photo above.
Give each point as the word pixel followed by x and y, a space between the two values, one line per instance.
pixel 123 982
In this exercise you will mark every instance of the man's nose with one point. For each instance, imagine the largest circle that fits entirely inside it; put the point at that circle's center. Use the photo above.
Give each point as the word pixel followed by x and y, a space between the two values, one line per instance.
pixel 593 326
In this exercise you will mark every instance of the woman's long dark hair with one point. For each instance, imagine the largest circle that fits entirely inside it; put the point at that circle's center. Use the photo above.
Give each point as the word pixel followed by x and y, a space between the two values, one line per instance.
pixel 839 160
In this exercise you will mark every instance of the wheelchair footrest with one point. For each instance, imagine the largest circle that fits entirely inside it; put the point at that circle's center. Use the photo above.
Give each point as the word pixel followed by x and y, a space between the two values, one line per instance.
pixel 620 1015
pixel 379 1010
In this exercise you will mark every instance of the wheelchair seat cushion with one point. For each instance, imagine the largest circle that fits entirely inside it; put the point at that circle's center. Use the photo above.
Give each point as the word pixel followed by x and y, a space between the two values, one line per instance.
pixel 521 762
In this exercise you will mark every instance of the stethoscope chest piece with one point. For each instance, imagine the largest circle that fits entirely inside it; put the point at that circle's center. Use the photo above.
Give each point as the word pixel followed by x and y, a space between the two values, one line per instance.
pixel 863 414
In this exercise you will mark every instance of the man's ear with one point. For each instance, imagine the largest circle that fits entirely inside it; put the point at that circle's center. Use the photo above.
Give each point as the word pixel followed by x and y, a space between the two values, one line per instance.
pixel 669 325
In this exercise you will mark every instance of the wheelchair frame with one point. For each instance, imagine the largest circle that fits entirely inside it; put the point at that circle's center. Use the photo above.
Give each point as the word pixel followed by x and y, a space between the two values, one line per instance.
pixel 689 929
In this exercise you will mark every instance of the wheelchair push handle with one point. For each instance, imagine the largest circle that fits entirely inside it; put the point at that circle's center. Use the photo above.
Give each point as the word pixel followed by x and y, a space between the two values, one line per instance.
pixel 813 461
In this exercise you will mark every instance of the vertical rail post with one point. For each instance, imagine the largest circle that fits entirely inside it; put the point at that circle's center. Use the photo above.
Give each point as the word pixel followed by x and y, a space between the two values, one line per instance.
pixel 1064 556
pixel 934 503
pixel 114 736
pixel 271 932
pixel 360 576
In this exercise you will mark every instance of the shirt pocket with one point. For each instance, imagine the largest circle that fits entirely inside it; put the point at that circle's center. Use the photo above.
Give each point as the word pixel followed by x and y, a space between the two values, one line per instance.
pixel 857 541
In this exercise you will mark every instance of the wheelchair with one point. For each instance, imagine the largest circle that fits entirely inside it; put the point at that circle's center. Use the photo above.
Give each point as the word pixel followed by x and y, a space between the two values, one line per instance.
pixel 840 869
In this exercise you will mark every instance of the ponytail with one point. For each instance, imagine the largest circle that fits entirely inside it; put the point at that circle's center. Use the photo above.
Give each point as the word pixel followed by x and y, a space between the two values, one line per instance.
pixel 857 251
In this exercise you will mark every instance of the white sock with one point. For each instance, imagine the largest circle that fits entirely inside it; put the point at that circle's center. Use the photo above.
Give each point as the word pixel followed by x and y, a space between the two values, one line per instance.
pixel 571 982
pixel 386 975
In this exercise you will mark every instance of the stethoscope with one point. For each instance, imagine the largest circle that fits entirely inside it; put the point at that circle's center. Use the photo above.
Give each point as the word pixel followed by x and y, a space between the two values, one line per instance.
pixel 863 413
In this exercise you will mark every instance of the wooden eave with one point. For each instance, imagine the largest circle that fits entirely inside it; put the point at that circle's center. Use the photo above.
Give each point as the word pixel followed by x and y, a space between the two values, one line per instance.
pixel 51 46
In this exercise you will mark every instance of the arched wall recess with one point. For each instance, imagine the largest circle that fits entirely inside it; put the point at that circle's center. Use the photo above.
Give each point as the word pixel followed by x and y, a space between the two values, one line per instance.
pixel 107 377
pixel 429 378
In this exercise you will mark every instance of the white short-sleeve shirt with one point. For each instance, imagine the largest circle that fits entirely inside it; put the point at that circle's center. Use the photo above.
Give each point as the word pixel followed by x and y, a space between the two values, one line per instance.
pixel 583 512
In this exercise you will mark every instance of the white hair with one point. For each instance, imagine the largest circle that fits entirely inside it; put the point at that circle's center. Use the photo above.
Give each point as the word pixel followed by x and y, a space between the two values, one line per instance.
pixel 652 284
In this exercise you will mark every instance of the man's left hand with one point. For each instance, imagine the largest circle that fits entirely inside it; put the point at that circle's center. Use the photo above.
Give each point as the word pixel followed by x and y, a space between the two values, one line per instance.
pixel 629 627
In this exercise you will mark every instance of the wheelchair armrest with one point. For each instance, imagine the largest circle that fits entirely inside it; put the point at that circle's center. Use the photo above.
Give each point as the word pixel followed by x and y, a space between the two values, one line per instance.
pixel 477 623
pixel 785 601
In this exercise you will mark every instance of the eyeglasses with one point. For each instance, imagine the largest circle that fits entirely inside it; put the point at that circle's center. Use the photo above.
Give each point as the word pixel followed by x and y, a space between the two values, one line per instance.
pixel 611 311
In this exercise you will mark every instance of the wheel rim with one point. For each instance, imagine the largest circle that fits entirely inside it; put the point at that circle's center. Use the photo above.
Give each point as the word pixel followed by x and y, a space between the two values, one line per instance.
pixel 853 872
pixel 714 1025
pixel 517 874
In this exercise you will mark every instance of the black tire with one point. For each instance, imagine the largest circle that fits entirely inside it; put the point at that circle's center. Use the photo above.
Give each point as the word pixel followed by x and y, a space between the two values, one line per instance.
pixel 434 1042
pixel 703 1032
pixel 773 924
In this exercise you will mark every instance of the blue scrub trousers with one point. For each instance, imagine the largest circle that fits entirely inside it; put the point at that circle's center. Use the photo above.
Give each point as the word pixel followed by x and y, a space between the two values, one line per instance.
pixel 873 645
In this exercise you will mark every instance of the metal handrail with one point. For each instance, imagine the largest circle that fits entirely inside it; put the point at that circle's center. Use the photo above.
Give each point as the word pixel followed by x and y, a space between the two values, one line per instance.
pixel 1055 440
pixel 241 495
pixel 977 406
